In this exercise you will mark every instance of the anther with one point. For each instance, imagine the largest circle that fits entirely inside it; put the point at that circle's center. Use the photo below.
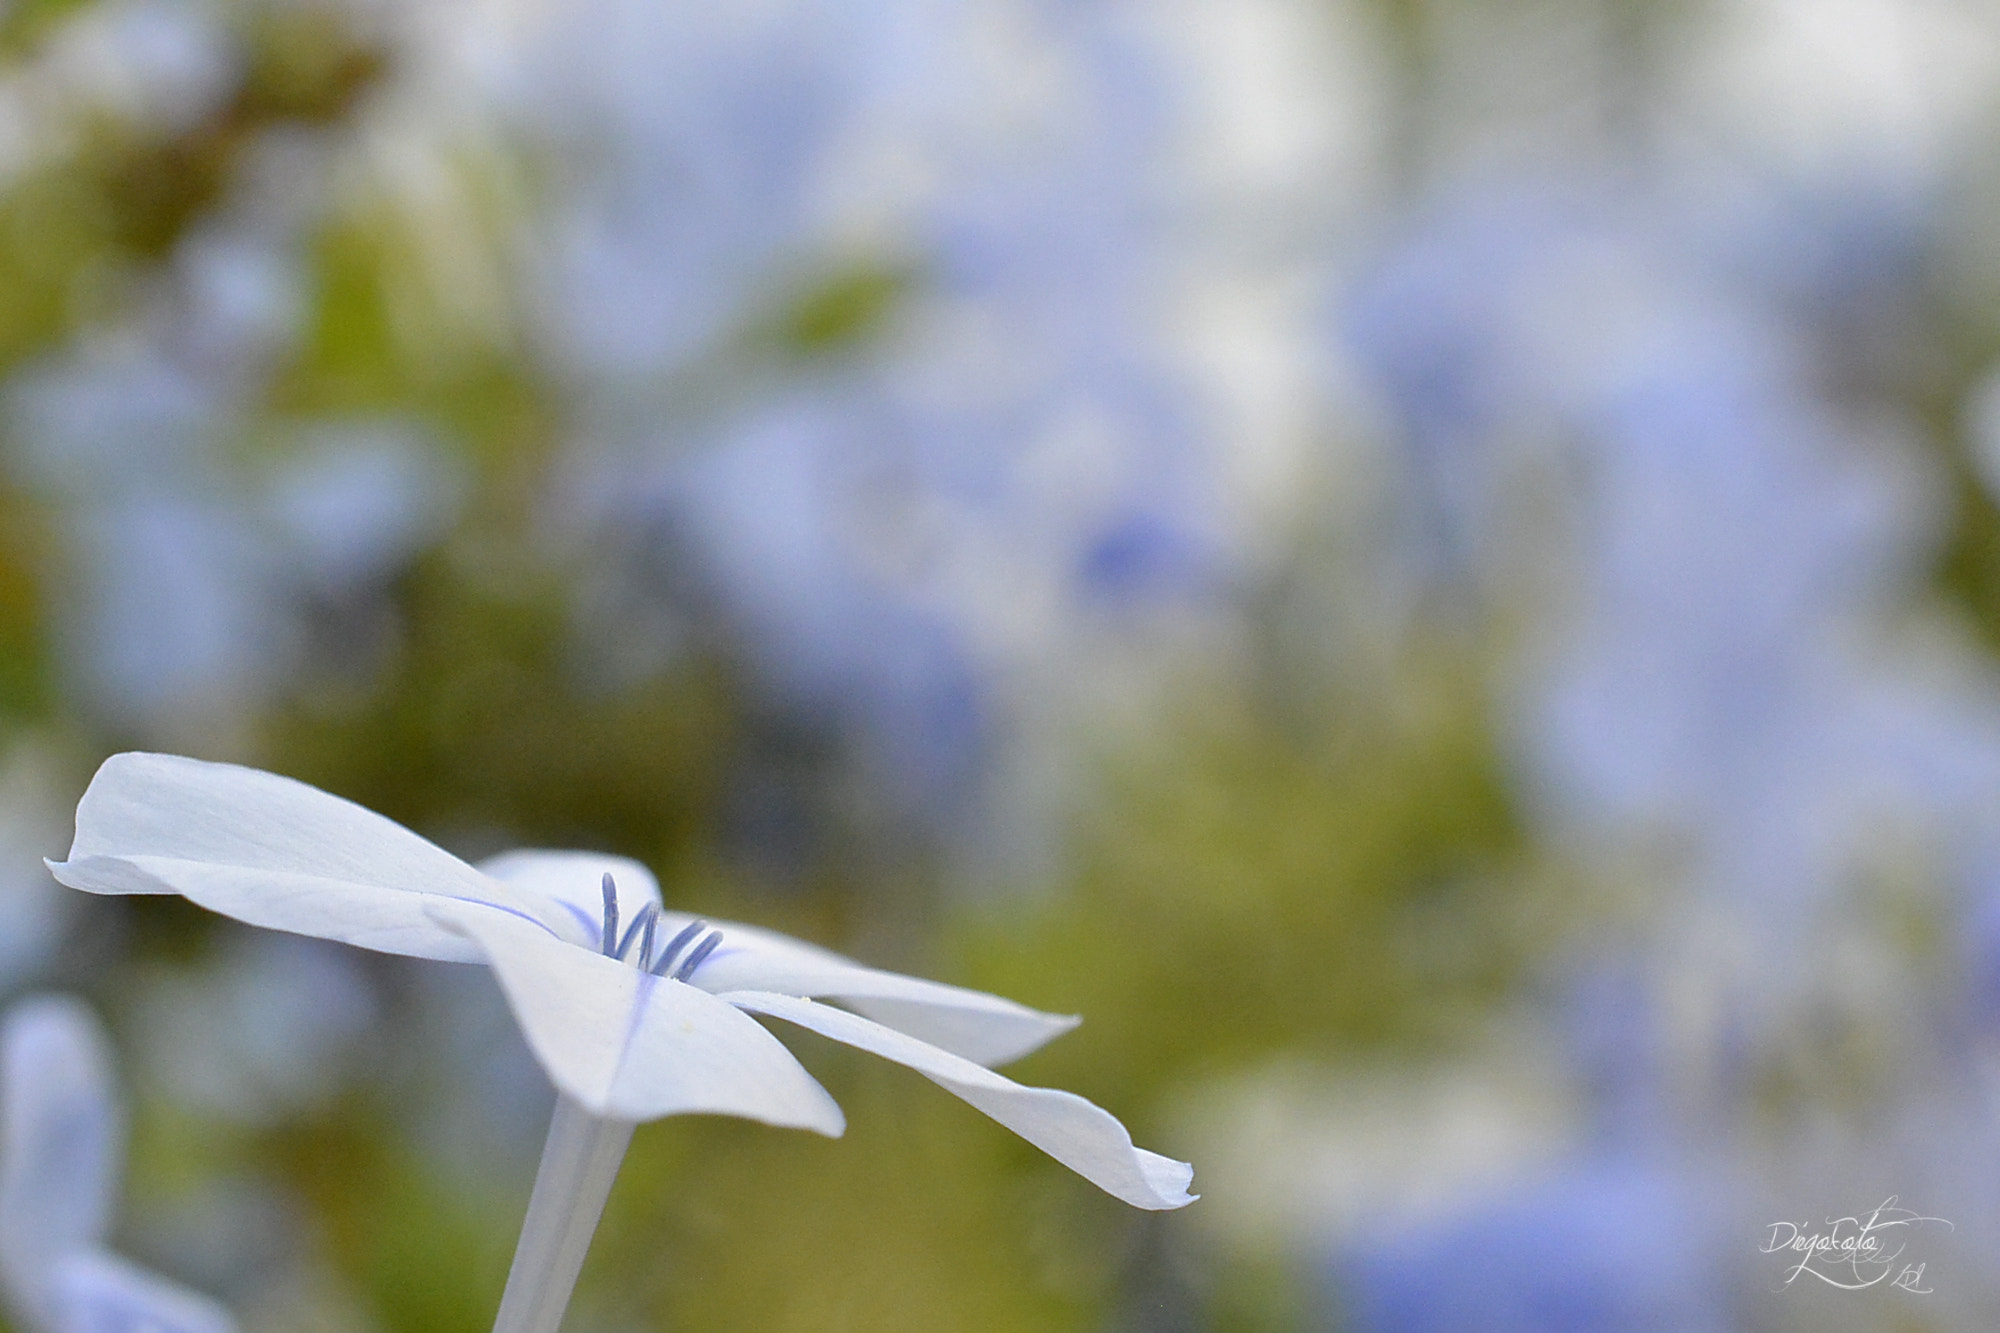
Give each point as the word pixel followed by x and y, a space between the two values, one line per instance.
pixel 699 956
pixel 642 924
pixel 675 945
pixel 610 915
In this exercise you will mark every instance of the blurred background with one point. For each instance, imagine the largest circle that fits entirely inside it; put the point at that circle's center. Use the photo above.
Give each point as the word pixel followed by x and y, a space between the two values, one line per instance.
pixel 1432 567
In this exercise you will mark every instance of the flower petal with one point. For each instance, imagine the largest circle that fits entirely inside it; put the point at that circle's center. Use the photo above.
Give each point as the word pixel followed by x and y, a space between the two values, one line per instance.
pixel 986 1029
pixel 631 1046
pixel 60 1142
pixel 1083 1137
pixel 98 1292
pixel 272 852
pixel 575 881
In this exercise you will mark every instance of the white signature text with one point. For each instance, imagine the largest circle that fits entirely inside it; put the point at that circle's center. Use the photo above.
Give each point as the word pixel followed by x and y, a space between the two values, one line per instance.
pixel 1853 1253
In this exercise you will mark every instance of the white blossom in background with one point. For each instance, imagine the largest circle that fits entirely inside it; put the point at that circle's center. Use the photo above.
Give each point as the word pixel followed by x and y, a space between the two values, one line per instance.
pixel 61 1153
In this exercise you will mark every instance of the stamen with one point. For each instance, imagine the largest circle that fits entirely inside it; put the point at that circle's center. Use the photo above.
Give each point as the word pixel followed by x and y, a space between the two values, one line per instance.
pixel 642 923
pixel 675 945
pixel 646 943
pixel 699 956
pixel 610 915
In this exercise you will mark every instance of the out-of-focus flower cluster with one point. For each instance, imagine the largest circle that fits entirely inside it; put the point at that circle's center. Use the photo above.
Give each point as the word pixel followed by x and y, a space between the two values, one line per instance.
pixel 1434 569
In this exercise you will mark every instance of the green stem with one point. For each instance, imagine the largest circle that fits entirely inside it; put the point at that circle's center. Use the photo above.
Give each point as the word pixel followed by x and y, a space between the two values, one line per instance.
pixel 579 1162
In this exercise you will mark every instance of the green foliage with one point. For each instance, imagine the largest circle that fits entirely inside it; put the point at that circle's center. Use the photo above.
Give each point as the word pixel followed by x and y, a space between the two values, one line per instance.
pixel 25 538
pixel 25 23
pixel 423 1252
pixel 1244 892
pixel 923 1216
pixel 842 309
pixel 477 723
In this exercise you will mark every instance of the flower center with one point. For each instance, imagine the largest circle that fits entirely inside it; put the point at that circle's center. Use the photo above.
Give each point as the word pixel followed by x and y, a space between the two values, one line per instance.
pixel 642 931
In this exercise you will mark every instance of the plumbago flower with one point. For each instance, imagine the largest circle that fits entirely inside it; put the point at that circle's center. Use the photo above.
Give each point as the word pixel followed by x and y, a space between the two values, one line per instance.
pixel 60 1143
pixel 634 1011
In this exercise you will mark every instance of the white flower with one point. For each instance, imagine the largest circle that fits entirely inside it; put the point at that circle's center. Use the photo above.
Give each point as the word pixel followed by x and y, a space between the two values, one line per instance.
pixel 634 1012
pixel 60 1144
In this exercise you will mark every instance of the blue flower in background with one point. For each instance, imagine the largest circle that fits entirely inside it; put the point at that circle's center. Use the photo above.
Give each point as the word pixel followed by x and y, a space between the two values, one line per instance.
pixel 177 610
pixel 1606 1246
pixel 356 498
pixel 1620 439
pixel 1611 438
pixel 32 915
pixel 266 1031
pixel 839 608
pixel 1729 535
pixel 160 65
pixel 915 542
pixel 1435 327
pixel 170 607
pixel 691 147
pixel 114 414
pixel 192 576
